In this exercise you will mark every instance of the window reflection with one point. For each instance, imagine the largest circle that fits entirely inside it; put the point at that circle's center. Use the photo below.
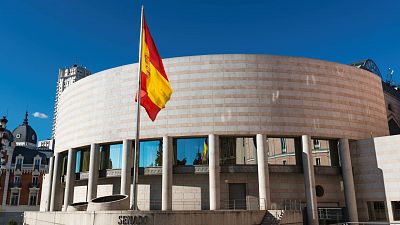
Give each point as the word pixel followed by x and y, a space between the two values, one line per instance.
pixel 190 151
pixel 238 150
pixel 64 164
pixel 82 160
pixel 110 156
pixel 281 151
pixel 150 153
pixel 321 152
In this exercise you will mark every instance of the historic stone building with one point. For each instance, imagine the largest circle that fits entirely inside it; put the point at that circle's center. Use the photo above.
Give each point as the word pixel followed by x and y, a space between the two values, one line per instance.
pixel 240 132
pixel 22 168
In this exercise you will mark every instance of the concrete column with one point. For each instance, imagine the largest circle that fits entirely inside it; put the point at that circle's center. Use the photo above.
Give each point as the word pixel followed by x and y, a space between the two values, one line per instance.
pixel 55 181
pixel 93 172
pixel 348 181
pixel 213 171
pixel 263 172
pixel 167 165
pixel 50 177
pixel 309 181
pixel 70 178
pixel 126 176
pixel 5 191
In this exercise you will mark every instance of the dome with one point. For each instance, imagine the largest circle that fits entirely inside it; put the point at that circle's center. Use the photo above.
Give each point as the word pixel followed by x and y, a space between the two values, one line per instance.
pixel 25 133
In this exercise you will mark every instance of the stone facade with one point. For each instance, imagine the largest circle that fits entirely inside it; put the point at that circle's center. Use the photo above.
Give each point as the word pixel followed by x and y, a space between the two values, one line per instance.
pixel 318 105
pixel 228 95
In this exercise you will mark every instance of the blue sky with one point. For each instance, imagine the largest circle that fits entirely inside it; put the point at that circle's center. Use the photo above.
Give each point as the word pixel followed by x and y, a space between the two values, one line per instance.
pixel 38 37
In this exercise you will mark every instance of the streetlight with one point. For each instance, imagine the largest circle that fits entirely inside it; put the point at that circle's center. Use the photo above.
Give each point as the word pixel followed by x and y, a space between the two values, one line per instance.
pixel 3 125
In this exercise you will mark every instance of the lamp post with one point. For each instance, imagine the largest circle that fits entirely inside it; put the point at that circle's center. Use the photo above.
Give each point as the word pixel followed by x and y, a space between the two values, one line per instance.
pixel 3 125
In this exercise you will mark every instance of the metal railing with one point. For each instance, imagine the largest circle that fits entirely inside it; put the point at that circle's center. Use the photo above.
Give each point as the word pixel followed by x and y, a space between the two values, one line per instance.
pixel 16 184
pixel 249 203
pixel 34 185
pixel 367 223
pixel 332 214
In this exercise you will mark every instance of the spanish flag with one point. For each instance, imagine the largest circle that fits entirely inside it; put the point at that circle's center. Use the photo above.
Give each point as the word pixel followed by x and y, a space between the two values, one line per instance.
pixel 205 151
pixel 155 90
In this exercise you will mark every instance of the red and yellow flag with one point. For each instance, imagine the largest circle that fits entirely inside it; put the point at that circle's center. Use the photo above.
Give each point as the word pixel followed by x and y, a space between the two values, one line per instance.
pixel 155 90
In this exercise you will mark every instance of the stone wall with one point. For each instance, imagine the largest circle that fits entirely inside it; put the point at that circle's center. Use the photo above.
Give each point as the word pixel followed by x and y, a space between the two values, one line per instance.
pixel 152 218
pixel 228 95
pixel 376 173
pixel 191 192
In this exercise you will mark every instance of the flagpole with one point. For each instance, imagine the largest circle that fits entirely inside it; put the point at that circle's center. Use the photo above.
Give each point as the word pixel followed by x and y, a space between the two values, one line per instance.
pixel 137 142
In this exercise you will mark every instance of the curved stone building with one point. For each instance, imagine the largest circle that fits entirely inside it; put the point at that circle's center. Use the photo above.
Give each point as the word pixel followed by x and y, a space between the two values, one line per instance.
pixel 240 132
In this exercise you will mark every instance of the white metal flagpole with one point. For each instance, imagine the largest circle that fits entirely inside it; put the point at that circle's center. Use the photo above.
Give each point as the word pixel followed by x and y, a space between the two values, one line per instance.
pixel 137 142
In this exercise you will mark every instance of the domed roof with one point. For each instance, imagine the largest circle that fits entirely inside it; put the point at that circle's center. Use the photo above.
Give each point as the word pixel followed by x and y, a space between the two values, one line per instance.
pixel 25 133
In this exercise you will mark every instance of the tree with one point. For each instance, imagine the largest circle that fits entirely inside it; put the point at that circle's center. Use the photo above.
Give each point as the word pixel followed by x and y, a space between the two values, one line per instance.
pixel 12 222
pixel 158 160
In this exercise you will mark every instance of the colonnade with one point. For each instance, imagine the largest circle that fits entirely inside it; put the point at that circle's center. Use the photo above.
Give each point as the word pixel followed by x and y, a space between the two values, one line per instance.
pixel 214 175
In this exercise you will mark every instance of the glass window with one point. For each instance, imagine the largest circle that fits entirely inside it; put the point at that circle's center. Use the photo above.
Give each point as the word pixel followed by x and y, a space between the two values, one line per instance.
pixel 150 153
pixel 321 152
pixel 19 161
pixel 281 151
pixel 64 165
pixel 35 180
pixel 17 179
pixel 78 159
pixel 110 156
pixel 317 161
pixel 115 156
pixel 32 199
pixel 14 198
pixel 283 145
pixel 190 151
pixel 238 150
pixel 316 144
pixel 37 162
pixel 376 211
pixel 396 210
pixel 82 160
pixel 104 157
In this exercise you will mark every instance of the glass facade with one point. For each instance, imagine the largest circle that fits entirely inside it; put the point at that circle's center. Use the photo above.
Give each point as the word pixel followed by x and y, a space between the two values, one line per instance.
pixel 150 153
pixel 238 150
pixel 321 152
pixel 376 211
pixel 110 156
pixel 396 210
pixel 64 164
pixel 281 151
pixel 368 65
pixel 190 151
pixel 82 160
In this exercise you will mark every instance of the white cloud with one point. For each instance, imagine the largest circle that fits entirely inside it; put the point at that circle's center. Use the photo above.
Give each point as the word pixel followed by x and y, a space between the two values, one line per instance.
pixel 40 115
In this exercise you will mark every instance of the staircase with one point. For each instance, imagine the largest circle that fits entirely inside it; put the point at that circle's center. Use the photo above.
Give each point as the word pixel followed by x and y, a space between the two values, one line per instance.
pixel 281 217
pixel 272 219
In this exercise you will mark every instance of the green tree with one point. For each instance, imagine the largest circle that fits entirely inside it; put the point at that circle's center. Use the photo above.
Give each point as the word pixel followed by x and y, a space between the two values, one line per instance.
pixel 12 222
pixel 158 160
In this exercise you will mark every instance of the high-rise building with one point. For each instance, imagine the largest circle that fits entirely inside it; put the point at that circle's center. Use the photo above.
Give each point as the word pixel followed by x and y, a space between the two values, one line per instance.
pixel 66 77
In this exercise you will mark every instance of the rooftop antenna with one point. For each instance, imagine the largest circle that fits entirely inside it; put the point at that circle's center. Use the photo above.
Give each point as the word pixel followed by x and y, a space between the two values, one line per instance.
pixel 391 81
pixel 387 75
pixel 76 60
